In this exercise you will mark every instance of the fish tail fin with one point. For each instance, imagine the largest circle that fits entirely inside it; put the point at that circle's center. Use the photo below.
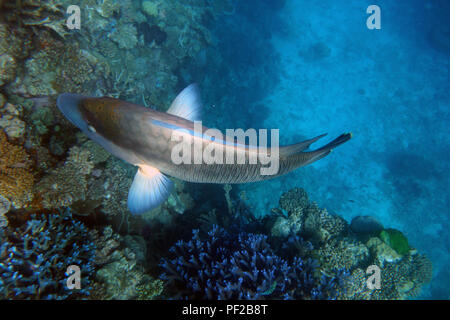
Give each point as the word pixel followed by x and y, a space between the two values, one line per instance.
pixel 305 158
pixel 298 147
pixel 336 142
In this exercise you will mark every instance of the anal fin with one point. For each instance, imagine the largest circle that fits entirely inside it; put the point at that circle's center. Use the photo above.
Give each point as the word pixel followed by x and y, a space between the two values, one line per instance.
pixel 149 189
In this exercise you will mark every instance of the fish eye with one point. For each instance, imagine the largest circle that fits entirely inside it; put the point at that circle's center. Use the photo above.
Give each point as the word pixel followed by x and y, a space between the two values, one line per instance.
pixel 91 128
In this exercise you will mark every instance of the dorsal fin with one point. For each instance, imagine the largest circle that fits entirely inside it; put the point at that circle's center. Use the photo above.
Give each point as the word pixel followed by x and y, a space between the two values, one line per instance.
pixel 187 104
pixel 298 147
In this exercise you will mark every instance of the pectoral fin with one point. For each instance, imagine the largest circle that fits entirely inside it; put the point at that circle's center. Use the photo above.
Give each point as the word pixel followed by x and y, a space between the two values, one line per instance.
pixel 149 189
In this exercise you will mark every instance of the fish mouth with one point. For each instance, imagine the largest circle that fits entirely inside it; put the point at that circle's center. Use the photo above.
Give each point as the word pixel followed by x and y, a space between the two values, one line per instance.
pixel 69 104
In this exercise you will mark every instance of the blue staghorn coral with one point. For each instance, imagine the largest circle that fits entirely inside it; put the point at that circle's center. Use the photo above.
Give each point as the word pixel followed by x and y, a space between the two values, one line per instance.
pixel 242 267
pixel 34 258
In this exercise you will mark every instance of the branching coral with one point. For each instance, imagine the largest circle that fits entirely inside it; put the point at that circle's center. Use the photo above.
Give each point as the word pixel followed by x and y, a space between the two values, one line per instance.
pixel 243 267
pixel 34 258
pixel 16 179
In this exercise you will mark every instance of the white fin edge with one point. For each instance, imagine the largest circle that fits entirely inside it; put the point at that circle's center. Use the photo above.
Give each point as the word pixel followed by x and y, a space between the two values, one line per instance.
pixel 149 189
pixel 187 104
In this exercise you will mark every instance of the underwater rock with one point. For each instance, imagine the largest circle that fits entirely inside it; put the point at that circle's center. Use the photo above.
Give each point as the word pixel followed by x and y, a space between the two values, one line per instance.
pixel 366 225
pixel 10 121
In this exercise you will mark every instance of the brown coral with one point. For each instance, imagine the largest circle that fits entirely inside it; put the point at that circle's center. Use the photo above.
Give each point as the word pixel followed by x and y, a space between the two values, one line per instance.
pixel 16 180
pixel 68 183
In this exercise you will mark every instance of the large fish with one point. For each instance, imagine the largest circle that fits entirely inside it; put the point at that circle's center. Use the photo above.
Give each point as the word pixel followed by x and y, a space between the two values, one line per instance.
pixel 145 138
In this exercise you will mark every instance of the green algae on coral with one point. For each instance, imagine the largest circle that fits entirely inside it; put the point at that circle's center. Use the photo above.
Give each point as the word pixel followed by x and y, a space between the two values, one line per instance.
pixel 396 240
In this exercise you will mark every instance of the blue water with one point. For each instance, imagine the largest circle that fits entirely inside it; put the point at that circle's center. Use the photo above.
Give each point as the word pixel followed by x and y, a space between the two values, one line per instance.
pixel 309 67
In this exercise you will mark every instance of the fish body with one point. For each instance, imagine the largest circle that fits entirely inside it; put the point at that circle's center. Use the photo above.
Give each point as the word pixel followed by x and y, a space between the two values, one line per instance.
pixel 145 138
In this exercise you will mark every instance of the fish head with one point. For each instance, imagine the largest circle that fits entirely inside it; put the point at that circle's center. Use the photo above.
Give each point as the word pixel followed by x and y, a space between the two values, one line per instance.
pixel 93 116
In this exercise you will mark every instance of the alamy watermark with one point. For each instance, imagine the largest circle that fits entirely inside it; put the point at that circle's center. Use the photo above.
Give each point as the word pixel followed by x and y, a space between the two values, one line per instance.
pixel 374 280
pixel 74 19
pixel 211 147
pixel 374 20
pixel 74 277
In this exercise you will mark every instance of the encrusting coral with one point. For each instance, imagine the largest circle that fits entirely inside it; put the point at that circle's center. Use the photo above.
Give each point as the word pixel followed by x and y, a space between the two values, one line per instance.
pixel 66 184
pixel 16 179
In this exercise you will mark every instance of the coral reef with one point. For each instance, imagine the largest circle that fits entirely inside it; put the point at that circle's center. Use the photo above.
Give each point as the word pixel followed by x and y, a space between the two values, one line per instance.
pixel 5 205
pixel 66 184
pixel 10 121
pixel 145 51
pixel 16 179
pixel 14 46
pixel 7 67
pixel 396 240
pixel 306 218
pixel 125 35
pixel 34 258
pixel 57 67
pixel 405 278
pixel 338 254
pixel 243 267
pixel 121 268
pixel 37 14
pixel 403 270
